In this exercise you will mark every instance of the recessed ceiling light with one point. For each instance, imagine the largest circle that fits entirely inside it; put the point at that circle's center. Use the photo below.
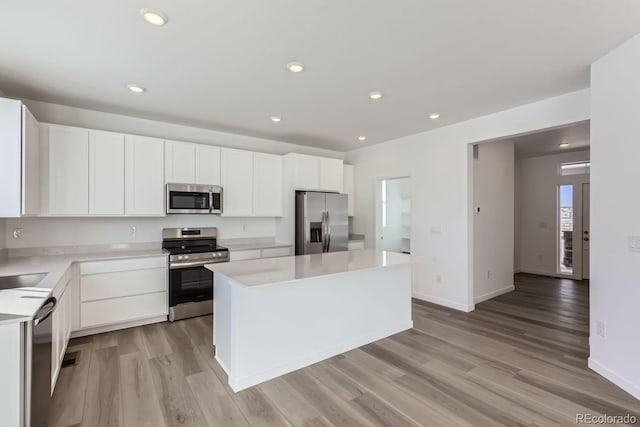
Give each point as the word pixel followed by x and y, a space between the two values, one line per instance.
pixel 375 94
pixel 154 18
pixel 434 116
pixel 295 67
pixel 563 144
pixel 276 119
pixel 136 88
pixel 362 138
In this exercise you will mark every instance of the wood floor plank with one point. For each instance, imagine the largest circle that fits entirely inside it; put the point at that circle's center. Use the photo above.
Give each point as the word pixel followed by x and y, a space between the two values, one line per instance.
pixel 216 404
pixel 293 406
pixel 102 406
pixel 68 400
pixel 140 404
pixel 177 401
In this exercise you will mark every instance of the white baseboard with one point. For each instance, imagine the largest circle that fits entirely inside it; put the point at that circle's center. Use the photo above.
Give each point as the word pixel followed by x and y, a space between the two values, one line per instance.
pixel 117 326
pixel 545 273
pixel 493 294
pixel 445 302
pixel 623 383
pixel 238 384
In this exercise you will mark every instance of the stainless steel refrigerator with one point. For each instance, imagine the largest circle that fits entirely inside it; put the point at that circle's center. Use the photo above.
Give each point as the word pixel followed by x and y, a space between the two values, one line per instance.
pixel 322 223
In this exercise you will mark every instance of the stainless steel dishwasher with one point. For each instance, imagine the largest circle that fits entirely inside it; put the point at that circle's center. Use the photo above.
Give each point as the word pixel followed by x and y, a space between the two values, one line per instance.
pixel 37 384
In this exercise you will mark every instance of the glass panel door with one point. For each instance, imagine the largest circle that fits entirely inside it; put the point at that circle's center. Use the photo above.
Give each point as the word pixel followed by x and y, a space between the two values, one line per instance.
pixel 565 229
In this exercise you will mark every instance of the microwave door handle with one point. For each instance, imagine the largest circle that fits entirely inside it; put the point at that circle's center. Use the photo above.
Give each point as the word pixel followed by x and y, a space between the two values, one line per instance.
pixel 210 201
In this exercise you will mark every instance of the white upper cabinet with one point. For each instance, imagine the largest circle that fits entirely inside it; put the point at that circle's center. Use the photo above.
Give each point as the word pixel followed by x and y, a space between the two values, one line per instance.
pixel 30 164
pixel 106 173
pixel 68 171
pixel 316 173
pixel 236 176
pixel 330 174
pixel 19 160
pixel 349 188
pixel 180 162
pixel 187 163
pixel 207 164
pixel 267 185
pixel 144 176
pixel 307 172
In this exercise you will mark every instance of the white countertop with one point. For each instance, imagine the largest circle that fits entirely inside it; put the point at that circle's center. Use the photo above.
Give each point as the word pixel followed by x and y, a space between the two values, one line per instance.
pixel 24 302
pixel 267 271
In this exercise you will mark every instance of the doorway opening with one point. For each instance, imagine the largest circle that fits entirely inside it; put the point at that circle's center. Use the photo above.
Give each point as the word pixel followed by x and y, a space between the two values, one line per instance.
pixel 393 214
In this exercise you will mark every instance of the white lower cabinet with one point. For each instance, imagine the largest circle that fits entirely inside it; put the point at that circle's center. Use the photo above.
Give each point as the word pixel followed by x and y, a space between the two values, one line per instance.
pixel 61 321
pixel 120 291
pixel 259 253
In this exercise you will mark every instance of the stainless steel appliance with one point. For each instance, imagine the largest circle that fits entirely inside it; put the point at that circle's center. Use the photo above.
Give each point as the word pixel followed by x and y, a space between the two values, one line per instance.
pixel 322 223
pixel 37 383
pixel 194 199
pixel 190 284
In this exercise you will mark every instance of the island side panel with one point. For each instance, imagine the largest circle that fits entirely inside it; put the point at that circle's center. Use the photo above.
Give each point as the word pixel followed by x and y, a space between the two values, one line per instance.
pixel 222 305
pixel 286 326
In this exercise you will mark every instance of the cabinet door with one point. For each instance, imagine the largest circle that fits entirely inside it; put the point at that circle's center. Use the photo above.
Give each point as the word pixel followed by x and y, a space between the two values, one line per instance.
pixel 106 173
pixel 306 173
pixel 267 184
pixel 207 165
pixel 30 164
pixel 144 176
pixel 348 187
pixel 330 174
pixel 180 166
pixel 68 171
pixel 237 182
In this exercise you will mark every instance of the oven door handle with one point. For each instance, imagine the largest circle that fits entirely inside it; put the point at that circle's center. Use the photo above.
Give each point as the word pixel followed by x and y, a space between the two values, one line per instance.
pixel 193 264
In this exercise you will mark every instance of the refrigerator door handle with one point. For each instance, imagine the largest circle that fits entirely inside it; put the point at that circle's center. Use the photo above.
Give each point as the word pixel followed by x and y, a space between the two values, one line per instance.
pixel 328 232
pixel 325 236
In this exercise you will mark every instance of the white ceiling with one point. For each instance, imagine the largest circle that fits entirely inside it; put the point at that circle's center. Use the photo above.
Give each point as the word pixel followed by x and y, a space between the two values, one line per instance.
pixel 220 64
pixel 548 142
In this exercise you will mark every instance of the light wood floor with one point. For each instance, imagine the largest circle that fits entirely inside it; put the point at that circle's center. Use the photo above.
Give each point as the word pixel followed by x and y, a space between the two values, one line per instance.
pixel 520 359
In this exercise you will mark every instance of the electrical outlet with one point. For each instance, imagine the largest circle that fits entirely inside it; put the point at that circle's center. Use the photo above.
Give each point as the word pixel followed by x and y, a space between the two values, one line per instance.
pixel 600 328
pixel 540 257
pixel 438 278
pixel 634 243
pixel 244 228
pixel 436 229
pixel 133 230
pixel 489 274
pixel 17 233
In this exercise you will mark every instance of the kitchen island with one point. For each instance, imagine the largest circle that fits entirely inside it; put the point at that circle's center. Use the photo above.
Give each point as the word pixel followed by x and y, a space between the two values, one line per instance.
pixel 273 316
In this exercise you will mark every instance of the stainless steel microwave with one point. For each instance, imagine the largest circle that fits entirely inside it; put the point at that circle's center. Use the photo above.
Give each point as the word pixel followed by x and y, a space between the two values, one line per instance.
pixel 194 199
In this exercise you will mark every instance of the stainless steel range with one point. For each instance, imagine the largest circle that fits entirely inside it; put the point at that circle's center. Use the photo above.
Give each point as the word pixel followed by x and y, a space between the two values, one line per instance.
pixel 190 284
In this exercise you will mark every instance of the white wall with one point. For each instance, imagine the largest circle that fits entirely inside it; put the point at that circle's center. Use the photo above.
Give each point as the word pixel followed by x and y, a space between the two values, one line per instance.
pixel 615 216
pixel 71 116
pixel 538 179
pixel 38 232
pixel 493 227
pixel 438 164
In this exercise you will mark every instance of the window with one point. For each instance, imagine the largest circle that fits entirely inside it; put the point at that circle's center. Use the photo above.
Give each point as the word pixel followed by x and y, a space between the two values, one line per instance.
pixel 565 235
pixel 575 168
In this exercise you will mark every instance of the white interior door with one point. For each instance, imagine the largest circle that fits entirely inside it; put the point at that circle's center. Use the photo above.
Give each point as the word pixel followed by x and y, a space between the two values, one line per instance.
pixel 585 230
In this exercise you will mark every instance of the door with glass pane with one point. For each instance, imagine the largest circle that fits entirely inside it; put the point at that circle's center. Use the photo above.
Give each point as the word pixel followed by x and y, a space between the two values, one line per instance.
pixel 585 230
pixel 565 229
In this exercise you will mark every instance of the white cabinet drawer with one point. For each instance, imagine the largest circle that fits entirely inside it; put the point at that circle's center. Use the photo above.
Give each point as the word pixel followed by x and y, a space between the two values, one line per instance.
pixel 356 244
pixel 276 252
pixel 241 255
pixel 126 309
pixel 122 283
pixel 97 267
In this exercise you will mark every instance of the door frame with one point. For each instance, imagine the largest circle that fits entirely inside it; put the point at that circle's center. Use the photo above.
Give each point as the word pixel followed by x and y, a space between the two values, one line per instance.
pixel 378 206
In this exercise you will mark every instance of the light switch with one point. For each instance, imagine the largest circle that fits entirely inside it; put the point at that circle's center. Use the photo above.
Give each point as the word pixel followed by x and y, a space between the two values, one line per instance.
pixel 436 229
pixel 634 243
